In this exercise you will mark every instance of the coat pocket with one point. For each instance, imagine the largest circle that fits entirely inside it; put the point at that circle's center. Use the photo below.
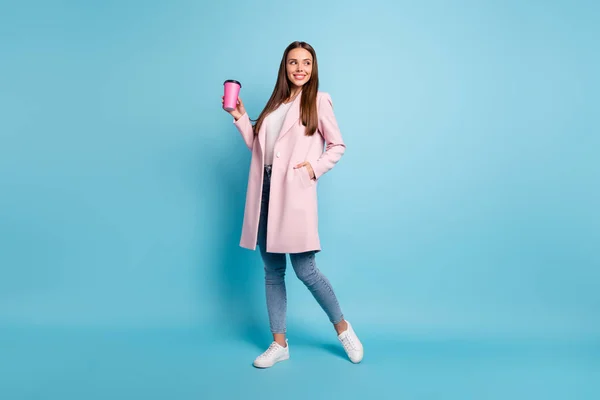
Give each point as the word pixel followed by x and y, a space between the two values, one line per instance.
pixel 307 182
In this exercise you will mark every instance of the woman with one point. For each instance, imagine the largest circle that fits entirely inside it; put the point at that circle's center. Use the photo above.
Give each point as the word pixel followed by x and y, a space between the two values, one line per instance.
pixel 280 216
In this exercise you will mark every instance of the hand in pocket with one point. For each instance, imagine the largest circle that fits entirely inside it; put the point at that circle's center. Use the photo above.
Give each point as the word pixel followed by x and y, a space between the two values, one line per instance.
pixel 306 164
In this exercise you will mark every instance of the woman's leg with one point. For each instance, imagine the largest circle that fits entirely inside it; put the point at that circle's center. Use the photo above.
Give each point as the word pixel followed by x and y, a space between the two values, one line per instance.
pixel 274 266
pixel 306 269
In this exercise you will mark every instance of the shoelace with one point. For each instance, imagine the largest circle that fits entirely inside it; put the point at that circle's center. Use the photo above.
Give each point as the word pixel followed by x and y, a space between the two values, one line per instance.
pixel 272 348
pixel 348 343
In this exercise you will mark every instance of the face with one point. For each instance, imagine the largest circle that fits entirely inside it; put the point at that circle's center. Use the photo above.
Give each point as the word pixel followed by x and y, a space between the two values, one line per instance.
pixel 299 66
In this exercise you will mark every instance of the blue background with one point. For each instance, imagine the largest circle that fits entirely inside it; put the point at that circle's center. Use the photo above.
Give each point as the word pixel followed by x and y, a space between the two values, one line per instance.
pixel 460 230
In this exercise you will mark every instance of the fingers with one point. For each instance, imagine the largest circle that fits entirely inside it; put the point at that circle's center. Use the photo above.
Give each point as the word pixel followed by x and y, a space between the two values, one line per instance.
pixel 239 99
pixel 239 105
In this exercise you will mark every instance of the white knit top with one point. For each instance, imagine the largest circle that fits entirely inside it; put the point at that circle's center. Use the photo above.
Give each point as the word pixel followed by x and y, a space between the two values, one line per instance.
pixel 274 123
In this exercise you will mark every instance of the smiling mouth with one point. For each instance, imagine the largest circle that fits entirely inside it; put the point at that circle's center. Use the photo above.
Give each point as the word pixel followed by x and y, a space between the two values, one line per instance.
pixel 299 77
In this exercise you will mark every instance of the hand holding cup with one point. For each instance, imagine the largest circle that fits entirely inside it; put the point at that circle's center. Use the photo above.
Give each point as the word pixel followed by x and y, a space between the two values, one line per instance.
pixel 232 103
pixel 239 109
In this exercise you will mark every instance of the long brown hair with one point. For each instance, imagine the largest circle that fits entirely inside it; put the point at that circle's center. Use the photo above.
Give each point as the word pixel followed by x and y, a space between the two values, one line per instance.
pixel 308 100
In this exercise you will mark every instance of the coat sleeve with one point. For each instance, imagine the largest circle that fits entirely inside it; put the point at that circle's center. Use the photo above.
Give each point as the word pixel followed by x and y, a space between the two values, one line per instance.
pixel 245 127
pixel 334 144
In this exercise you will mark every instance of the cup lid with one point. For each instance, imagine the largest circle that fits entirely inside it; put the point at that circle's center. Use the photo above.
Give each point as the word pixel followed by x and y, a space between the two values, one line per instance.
pixel 233 81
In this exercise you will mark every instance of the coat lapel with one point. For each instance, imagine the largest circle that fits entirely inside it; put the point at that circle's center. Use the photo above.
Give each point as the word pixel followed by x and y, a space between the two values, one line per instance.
pixel 291 118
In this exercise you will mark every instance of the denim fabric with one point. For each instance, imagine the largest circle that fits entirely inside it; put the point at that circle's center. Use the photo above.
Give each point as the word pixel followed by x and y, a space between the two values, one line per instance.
pixel 304 266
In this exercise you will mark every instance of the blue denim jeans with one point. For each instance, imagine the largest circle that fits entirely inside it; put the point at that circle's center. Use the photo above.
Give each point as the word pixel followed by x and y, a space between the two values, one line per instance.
pixel 304 266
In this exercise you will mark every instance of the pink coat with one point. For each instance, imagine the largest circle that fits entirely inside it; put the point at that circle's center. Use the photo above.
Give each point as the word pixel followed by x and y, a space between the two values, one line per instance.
pixel 293 220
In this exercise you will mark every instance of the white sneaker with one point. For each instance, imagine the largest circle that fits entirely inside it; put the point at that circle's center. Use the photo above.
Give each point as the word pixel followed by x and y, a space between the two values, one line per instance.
pixel 352 345
pixel 272 355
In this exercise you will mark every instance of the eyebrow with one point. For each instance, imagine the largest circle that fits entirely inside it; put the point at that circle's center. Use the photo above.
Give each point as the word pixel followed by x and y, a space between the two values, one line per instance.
pixel 295 59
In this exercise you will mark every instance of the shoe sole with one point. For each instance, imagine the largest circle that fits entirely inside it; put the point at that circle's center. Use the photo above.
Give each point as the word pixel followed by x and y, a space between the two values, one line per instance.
pixel 269 366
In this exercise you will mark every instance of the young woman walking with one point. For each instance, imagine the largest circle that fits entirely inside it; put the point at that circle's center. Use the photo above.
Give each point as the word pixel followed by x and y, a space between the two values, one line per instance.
pixel 294 142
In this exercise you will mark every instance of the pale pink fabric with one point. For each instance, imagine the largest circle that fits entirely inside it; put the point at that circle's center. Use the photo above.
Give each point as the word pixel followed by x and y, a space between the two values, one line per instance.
pixel 293 219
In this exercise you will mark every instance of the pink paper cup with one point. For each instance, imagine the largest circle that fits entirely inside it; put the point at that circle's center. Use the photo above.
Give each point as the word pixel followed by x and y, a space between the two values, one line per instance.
pixel 232 91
